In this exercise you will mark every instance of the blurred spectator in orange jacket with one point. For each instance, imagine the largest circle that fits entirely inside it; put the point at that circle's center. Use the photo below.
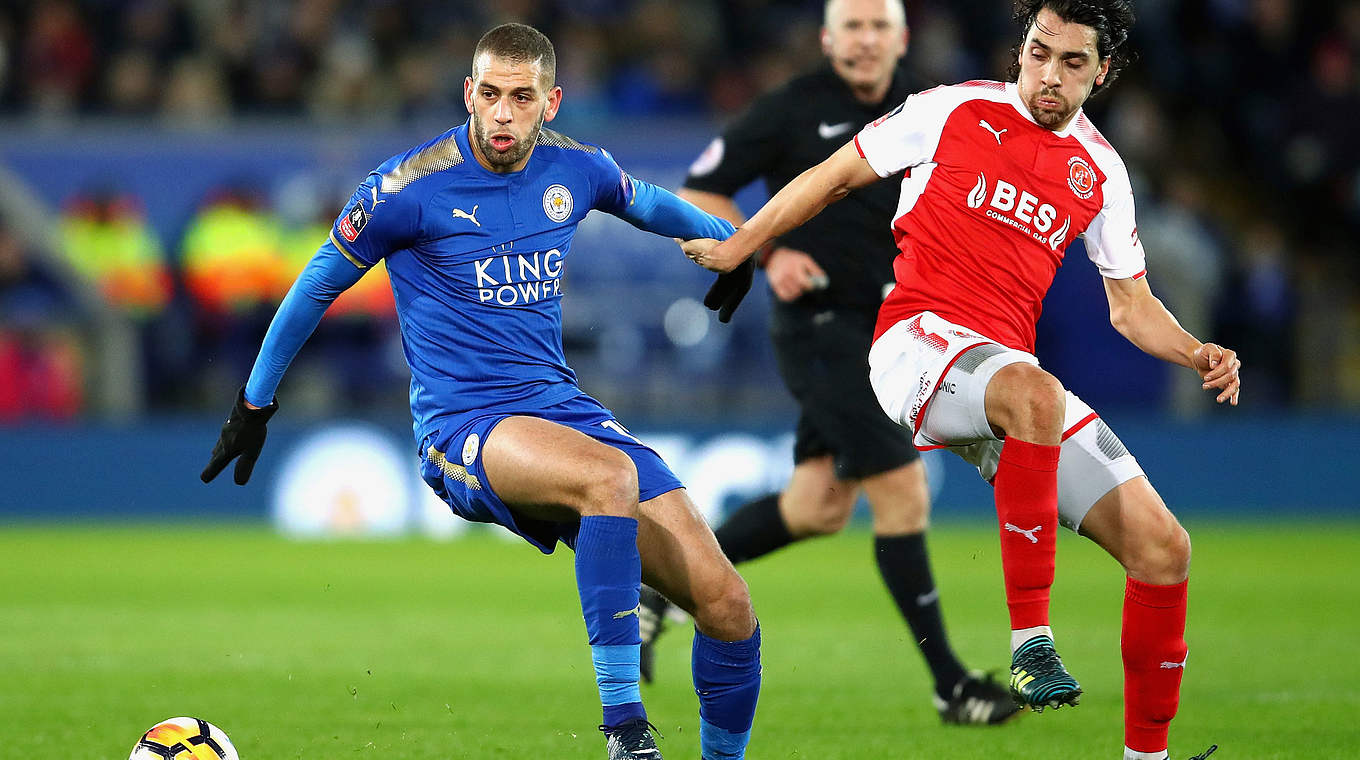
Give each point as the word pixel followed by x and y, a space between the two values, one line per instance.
pixel 232 256
pixel 106 239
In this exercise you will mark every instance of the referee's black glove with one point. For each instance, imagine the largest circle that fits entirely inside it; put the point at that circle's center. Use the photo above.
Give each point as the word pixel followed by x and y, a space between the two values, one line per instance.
pixel 242 435
pixel 726 292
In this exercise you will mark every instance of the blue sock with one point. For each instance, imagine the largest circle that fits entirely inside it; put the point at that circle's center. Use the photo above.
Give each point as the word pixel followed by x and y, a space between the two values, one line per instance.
pixel 608 574
pixel 727 680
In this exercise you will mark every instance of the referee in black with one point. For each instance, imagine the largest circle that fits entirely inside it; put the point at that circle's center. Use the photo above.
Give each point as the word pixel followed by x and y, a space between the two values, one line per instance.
pixel 829 277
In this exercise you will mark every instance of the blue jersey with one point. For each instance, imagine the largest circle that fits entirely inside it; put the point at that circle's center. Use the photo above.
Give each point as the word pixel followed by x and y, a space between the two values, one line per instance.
pixel 476 260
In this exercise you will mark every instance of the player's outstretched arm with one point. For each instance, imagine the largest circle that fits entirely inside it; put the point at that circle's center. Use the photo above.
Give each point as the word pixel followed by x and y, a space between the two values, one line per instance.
pixel 1142 318
pixel 716 204
pixel 728 288
pixel 325 277
pixel 790 272
pixel 797 202
pixel 660 211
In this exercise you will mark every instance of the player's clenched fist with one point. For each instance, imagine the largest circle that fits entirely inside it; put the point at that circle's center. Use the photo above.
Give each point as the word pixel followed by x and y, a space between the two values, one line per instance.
pixel 732 284
pixel 1219 368
pixel 696 250
pixel 713 255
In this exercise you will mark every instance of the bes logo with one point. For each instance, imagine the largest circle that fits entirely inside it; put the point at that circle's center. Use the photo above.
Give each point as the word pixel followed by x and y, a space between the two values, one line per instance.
pixel 979 194
pixel 1080 177
pixel 1020 210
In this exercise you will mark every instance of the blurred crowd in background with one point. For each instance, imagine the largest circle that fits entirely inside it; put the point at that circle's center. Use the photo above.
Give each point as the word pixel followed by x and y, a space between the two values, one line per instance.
pixel 1237 121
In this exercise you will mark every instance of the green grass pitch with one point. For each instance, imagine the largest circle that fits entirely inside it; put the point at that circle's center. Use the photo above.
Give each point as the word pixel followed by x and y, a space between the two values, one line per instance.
pixel 475 648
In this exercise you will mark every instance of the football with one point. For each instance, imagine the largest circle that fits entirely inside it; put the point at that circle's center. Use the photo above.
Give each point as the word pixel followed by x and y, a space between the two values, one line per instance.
pixel 184 739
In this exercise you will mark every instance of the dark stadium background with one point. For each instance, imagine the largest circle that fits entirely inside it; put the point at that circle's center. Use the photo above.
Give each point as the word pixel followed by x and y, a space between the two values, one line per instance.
pixel 145 143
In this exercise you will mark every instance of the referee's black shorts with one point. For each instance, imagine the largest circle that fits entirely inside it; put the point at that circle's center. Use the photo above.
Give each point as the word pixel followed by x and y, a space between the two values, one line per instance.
pixel 823 356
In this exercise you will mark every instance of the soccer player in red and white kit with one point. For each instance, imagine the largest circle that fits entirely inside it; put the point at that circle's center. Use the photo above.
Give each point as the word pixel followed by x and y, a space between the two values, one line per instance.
pixel 1000 178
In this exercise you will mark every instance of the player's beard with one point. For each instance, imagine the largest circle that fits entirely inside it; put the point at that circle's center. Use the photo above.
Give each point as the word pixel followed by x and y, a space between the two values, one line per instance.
pixel 1049 119
pixel 505 160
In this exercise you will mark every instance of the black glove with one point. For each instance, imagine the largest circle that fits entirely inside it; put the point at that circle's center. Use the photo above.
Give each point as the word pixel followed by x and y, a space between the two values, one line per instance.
pixel 242 435
pixel 726 292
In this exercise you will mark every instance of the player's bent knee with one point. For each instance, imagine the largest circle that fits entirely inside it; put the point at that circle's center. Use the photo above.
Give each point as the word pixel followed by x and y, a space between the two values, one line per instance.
pixel 610 486
pixel 1026 402
pixel 1178 555
pixel 723 610
pixel 1042 397
pixel 1163 557
pixel 827 519
pixel 819 515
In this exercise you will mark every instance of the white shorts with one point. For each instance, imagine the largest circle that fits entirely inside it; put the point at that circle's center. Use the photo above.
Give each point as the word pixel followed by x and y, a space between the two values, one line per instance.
pixel 931 376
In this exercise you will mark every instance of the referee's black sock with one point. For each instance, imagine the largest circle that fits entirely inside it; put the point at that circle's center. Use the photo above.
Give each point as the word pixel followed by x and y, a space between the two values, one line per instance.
pixel 906 571
pixel 754 530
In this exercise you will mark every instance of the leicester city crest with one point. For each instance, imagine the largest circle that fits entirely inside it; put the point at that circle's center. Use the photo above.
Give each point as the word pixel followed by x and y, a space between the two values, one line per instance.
pixel 557 203
pixel 470 445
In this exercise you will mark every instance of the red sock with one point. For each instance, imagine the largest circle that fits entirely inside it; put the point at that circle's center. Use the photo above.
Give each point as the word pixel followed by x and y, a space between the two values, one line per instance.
pixel 1153 643
pixel 1026 486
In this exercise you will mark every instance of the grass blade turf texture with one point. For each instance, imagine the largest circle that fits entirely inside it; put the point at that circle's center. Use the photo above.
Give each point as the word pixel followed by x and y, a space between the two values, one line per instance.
pixel 475 648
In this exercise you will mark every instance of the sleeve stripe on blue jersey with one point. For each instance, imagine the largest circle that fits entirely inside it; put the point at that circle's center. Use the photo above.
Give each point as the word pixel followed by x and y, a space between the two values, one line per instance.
pixel 352 258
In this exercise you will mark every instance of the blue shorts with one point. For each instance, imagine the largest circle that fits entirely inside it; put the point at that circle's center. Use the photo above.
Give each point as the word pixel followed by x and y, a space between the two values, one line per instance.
pixel 451 463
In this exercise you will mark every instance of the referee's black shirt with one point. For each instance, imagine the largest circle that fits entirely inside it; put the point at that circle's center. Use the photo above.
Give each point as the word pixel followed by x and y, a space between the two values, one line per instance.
pixel 787 131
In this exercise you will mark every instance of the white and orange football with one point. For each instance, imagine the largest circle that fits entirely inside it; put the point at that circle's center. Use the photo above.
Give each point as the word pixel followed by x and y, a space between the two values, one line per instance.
pixel 184 739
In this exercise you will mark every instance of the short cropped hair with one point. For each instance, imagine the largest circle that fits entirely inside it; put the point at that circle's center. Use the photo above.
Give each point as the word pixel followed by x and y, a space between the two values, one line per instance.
pixel 519 43
pixel 1111 20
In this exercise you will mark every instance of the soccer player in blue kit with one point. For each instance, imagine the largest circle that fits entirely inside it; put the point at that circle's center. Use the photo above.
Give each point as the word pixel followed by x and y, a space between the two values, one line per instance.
pixel 476 228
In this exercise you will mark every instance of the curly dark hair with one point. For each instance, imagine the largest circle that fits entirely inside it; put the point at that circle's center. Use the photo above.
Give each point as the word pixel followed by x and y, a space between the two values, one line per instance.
pixel 1111 19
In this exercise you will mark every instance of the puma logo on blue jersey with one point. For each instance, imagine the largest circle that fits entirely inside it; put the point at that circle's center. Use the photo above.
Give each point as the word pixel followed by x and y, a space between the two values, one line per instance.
pixel 458 213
